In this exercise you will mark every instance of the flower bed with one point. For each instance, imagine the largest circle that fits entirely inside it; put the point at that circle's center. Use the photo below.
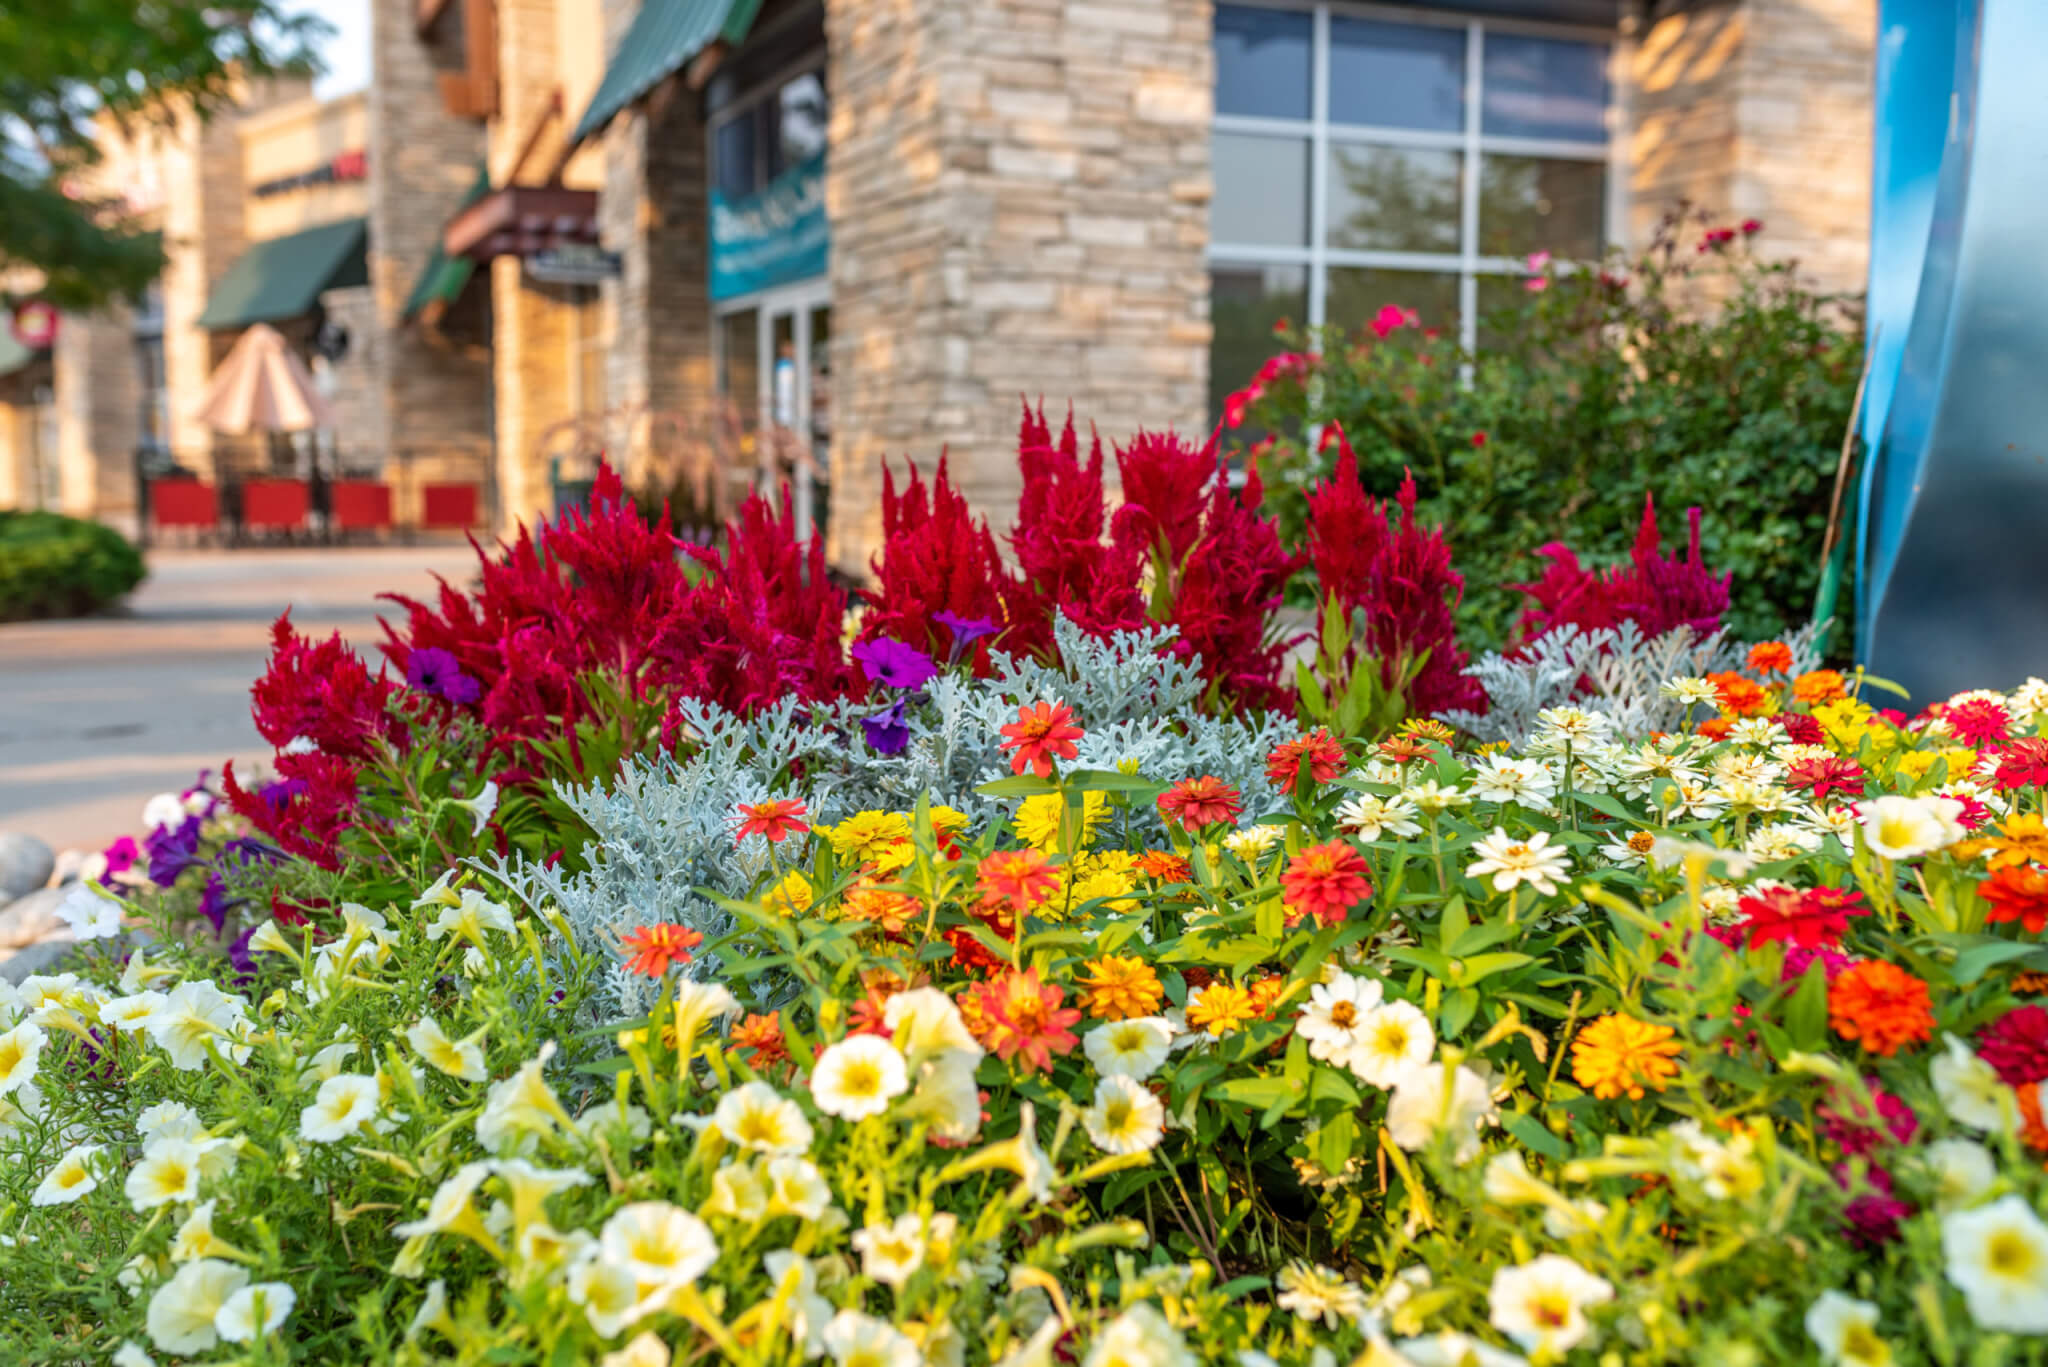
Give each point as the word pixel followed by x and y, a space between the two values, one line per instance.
pixel 637 975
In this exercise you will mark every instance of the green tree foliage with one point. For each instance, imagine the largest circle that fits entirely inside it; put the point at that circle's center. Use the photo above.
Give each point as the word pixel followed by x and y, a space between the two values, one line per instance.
pixel 1697 373
pixel 68 64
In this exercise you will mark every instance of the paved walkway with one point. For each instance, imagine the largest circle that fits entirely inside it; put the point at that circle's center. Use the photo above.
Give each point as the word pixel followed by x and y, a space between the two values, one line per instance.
pixel 99 715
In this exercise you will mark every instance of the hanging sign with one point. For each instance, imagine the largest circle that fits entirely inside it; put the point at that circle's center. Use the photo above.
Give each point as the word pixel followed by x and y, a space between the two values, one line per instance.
pixel 573 263
pixel 34 324
pixel 774 236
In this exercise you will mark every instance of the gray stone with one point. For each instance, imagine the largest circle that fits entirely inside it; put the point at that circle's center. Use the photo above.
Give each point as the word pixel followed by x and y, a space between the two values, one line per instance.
pixel 46 957
pixel 25 864
pixel 30 919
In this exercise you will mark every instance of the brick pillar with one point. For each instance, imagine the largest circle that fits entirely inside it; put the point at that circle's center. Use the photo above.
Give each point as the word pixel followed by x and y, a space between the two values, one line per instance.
pixel 1019 192
pixel 435 413
pixel 1759 109
pixel 654 211
pixel 98 388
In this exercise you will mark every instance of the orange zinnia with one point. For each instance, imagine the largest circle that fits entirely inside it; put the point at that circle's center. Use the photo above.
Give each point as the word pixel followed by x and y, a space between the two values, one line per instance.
pixel 1199 802
pixel 1325 881
pixel 1771 657
pixel 2021 839
pixel 1819 686
pixel 1118 987
pixel 1880 1005
pixel 1740 696
pixel 1324 756
pixel 1016 879
pixel 654 949
pixel 774 818
pixel 762 1035
pixel 1621 1056
pixel 1164 867
pixel 1041 733
pixel 892 911
pixel 2017 892
pixel 1025 1019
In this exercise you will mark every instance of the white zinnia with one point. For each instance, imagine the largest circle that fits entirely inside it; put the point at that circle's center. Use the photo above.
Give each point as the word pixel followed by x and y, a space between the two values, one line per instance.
pixel 1126 1118
pixel 858 1077
pixel 1394 1038
pixel 1509 861
pixel 1541 1305
pixel 1371 817
pixel 182 1311
pixel 1334 1015
pixel 1997 1255
pixel 1898 827
pixel 1503 778
pixel 1129 1048
pixel 1845 1331
pixel 344 1104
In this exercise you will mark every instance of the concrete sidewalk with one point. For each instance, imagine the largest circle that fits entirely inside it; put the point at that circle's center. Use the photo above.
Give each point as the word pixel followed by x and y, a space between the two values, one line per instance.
pixel 100 714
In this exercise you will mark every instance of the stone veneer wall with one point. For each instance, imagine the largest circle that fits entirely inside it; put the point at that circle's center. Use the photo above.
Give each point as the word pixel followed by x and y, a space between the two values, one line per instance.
pixel 98 388
pixel 1019 192
pixel 436 395
pixel 1759 109
pixel 654 211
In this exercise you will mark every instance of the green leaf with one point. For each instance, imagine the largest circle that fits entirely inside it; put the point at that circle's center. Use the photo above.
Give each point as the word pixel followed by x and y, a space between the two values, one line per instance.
pixel 1023 785
pixel 1257 1092
pixel 1334 1142
pixel 1534 1135
pixel 1806 1017
pixel 1972 963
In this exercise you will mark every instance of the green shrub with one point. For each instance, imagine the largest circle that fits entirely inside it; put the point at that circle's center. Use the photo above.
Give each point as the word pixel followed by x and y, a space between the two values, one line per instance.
pixel 1588 390
pixel 56 566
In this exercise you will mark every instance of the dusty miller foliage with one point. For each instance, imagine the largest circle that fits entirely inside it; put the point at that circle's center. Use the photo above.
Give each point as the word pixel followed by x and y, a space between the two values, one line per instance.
pixel 1624 669
pixel 664 829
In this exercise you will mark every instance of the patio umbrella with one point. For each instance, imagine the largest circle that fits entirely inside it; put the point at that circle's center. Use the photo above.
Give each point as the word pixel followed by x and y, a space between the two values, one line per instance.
pixel 263 387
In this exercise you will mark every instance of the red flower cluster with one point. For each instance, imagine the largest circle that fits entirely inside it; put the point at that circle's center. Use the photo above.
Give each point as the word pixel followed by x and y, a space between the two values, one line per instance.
pixel 324 694
pixel 1023 1020
pixel 1319 749
pixel 1199 802
pixel 1326 882
pixel 2016 1046
pixel 2022 764
pixel 1657 592
pixel 1815 918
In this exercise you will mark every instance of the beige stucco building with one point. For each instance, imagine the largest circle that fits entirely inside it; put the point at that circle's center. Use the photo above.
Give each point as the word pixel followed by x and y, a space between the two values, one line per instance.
pixel 731 242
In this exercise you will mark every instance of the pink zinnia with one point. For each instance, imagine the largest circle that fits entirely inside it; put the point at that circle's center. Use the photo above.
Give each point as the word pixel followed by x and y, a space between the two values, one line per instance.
pixel 2016 1046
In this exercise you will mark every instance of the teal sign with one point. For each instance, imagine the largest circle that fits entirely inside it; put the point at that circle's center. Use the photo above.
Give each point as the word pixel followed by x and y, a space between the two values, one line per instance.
pixel 774 236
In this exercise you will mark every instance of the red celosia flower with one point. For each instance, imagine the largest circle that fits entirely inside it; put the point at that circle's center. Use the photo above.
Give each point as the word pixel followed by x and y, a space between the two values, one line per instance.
pixel 1655 591
pixel 322 692
pixel 2018 892
pixel 1814 919
pixel 1325 758
pixel 1771 657
pixel 1326 882
pixel 1826 774
pixel 762 1036
pixel 1741 696
pixel 2016 1046
pixel 1041 733
pixel 1016 880
pixel 1978 722
pixel 1058 536
pixel 305 808
pixel 1199 802
pixel 657 948
pixel 1025 1021
pixel 2022 764
pixel 1882 1006
pixel 775 818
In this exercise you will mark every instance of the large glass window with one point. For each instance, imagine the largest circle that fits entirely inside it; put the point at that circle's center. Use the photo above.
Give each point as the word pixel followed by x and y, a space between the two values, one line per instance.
pixel 767 131
pixel 1363 159
pixel 153 420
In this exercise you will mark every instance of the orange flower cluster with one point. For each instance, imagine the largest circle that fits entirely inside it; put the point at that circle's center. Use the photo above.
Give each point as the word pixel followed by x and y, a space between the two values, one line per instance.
pixel 762 1035
pixel 653 950
pixel 1817 686
pixel 1326 882
pixel 891 911
pixel 1741 696
pixel 1116 988
pixel 2017 892
pixel 1020 1018
pixel 1622 1056
pixel 1042 733
pixel 1880 1006
pixel 1319 749
pixel 1771 657
pixel 1016 880
pixel 1164 867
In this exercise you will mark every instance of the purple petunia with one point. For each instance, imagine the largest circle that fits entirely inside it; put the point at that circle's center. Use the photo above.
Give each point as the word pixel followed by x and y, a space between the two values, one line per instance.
pixel 894 664
pixel 433 670
pixel 886 731
pixel 213 902
pixel 966 631
pixel 172 850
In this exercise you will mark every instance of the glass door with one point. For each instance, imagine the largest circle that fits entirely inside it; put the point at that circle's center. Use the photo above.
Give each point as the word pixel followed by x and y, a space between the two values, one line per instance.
pixel 795 374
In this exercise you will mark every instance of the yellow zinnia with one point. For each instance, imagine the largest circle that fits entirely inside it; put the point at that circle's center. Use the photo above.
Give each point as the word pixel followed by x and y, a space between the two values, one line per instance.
pixel 1118 987
pixel 1622 1056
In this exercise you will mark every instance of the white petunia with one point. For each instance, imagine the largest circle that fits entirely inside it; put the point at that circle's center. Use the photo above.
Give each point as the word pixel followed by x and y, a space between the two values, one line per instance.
pixel 131 1354
pixel 1394 1038
pixel 857 1340
pixel 21 1050
pixel 1129 1048
pixel 131 1013
pixel 70 1179
pixel 1426 1101
pixel 796 1287
pixel 169 1120
pixel 1970 1090
pixel 1508 1182
pixel 164 811
pixel 194 1015
pixel 181 1313
pixel 195 1237
pixel 254 1311
pixel 1139 1337
pixel 168 1174
pixel 463 1059
pixel 519 1109
pixel 470 916
pixel 891 1253
pixel 480 806
pixel 755 1116
pixel 1125 1118
pixel 1542 1304
pixel 344 1104
pixel 858 1077
pixel 796 1187
pixel 1845 1331
pixel 530 1186
pixel 1334 1014
pixel 1997 1256
pixel 1508 861
pixel 925 1022
pixel 663 1246
pixel 90 915
pixel 1961 1169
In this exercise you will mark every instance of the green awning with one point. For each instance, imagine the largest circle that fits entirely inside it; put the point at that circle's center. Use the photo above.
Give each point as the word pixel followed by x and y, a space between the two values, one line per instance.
pixel 13 355
pixel 443 277
pixel 665 35
pixel 283 278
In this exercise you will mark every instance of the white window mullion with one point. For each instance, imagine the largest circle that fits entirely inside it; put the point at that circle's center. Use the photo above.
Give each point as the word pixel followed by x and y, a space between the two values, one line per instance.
pixel 1319 166
pixel 1468 220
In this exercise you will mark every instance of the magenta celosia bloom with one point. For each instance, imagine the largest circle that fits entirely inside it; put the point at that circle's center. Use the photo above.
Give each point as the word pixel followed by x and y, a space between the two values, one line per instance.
pixel 1655 591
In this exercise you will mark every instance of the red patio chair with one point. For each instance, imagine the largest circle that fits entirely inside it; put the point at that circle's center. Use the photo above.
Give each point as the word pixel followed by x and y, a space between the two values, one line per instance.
pixel 360 504
pixel 276 504
pixel 444 506
pixel 183 503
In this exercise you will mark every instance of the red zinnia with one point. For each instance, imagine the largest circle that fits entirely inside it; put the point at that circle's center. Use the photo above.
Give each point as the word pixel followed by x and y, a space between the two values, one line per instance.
pixel 1826 774
pixel 1325 881
pixel 1980 721
pixel 2016 1046
pixel 1199 802
pixel 655 949
pixel 1016 879
pixel 774 818
pixel 2023 764
pixel 1771 657
pixel 1814 919
pixel 1041 733
pixel 970 953
pixel 1023 1017
pixel 2017 892
pixel 1319 748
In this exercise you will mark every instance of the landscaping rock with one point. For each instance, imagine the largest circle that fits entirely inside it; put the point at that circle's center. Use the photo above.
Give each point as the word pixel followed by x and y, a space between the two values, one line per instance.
pixel 69 862
pixel 25 864
pixel 29 919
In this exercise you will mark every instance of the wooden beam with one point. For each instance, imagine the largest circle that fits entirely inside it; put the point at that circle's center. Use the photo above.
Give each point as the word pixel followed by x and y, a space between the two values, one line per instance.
pixel 425 13
pixel 551 111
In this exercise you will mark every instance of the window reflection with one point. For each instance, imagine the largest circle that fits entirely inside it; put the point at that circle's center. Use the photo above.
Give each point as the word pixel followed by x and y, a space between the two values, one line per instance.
pixel 1397 75
pixel 1529 204
pixel 1262 62
pixel 1544 88
pixel 1261 191
pixel 1393 198
pixel 1244 305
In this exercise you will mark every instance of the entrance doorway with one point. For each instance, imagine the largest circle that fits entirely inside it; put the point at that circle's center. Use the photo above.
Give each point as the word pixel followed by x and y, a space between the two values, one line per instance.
pixel 775 354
